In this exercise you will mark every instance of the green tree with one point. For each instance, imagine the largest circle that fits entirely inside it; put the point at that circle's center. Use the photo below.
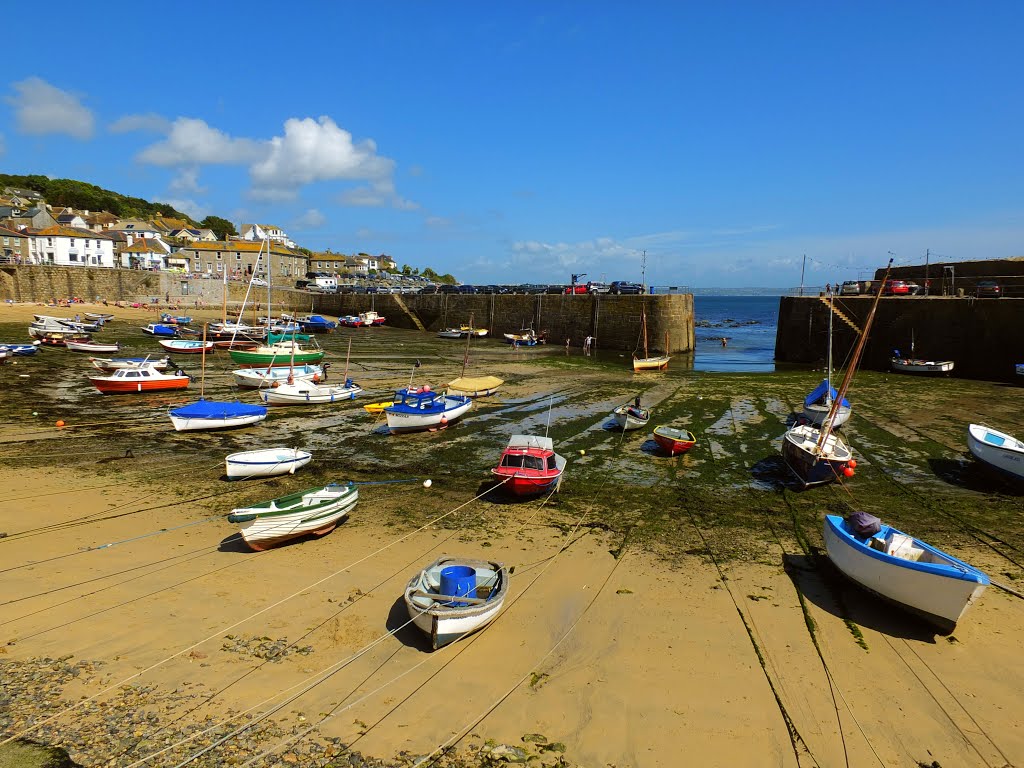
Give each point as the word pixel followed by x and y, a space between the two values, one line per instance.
pixel 221 227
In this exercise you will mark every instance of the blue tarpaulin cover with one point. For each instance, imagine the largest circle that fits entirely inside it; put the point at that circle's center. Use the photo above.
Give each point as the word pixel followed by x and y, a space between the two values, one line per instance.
pixel 818 395
pixel 215 409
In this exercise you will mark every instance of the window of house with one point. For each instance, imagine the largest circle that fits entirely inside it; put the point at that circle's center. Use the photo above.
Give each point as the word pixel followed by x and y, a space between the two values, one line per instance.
pixel 49 241
pixel 218 255
pixel 72 257
pixel 238 257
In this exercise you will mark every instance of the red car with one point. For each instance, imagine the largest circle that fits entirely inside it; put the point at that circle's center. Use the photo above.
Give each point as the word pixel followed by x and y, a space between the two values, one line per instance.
pixel 896 288
pixel 578 288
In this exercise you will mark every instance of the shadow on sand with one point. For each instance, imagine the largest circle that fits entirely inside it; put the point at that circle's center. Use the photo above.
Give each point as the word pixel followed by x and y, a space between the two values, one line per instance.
pixel 972 475
pixel 404 630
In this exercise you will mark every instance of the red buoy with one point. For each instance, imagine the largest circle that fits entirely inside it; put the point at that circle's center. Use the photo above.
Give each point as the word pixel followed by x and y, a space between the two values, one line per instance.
pixel 852 463
pixel 848 471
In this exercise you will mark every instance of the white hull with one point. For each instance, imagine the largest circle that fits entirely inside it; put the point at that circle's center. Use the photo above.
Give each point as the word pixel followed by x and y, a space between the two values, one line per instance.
pixel 190 424
pixel 265 532
pixel 411 422
pixel 260 378
pixel 627 420
pixel 81 346
pixel 909 583
pixel 444 623
pixel 903 365
pixel 658 363
pixel 997 449
pixel 308 393
pixel 816 414
pixel 266 463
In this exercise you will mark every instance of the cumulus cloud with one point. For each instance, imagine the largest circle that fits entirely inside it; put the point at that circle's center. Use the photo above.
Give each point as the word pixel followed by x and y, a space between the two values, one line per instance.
pixel 150 122
pixel 187 180
pixel 41 108
pixel 311 219
pixel 196 210
pixel 191 141
pixel 317 150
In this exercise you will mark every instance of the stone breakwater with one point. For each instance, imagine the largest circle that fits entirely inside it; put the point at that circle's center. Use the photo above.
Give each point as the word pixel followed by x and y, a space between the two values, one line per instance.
pixel 138 719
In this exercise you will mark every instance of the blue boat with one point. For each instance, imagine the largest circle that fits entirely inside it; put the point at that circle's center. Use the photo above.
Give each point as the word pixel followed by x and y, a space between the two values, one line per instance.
pixel 19 350
pixel 316 324
pixel 906 571
pixel 216 414
pixel 422 408
pixel 818 404
pixel 159 329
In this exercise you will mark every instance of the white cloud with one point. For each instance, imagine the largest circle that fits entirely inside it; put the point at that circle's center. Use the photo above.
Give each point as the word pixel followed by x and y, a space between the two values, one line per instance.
pixel 40 108
pixel 196 210
pixel 187 180
pixel 318 150
pixel 192 142
pixel 311 219
pixel 150 122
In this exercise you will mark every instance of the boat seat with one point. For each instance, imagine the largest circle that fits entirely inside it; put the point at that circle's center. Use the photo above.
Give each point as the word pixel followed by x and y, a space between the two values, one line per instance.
pixel 902 546
pixel 877 544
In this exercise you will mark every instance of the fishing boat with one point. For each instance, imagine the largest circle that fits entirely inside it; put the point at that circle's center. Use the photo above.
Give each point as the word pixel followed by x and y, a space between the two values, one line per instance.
pixel 673 440
pixel 454 596
pixel 100 316
pixel 630 416
pixel 160 329
pixel 91 347
pixel 371 319
pixel 649 362
pixel 305 392
pixel 529 466
pixel 266 462
pixel 421 408
pixel 115 363
pixel 317 511
pixel 187 347
pixel 996 449
pixel 917 365
pixel 526 337
pixel 276 354
pixel 472 386
pixel 144 378
pixel 815 454
pixel 904 570
pixel 16 349
pixel 818 403
pixel 316 324
pixel 262 378
pixel 350 321
pixel 451 333
pixel 215 414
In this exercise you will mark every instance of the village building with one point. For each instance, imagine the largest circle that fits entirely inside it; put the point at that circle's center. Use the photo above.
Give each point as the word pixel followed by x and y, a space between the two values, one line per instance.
pixel 14 246
pixel 256 232
pixel 70 247
pixel 145 253
pixel 241 259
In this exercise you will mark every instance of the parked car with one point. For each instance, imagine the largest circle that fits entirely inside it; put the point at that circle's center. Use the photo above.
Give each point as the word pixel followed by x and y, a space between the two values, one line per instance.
pixel 850 288
pixel 579 289
pixel 465 289
pixel 913 289
pixel 988 289
pixel 624 286
pixel 896 288
pixel 595 286
pixel 259 281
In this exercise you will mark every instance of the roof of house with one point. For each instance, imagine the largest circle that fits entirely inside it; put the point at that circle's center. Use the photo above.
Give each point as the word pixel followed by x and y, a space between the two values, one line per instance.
pixel 11 232
pixel 62 231
pixel 145 245
pixel 247 246
pixel 135 224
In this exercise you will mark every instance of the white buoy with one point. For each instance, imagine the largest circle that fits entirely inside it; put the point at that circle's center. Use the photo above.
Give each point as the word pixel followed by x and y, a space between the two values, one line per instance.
pixel 427 483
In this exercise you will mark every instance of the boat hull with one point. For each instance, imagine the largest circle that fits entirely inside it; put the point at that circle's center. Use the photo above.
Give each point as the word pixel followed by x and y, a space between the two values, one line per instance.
pixel 316 511
pixel 817 412
pixel 904 365
pixel 627 418
pixel 939 592
pixel 673 441
pixel 265 463
pixel 307 393
pixel 90 347
pixel 191 424
pixel 659 363
pixel 180 347
pixel 252 359
pixel 254 378
pixel 809 467
pixel 997 450
pixel 409 420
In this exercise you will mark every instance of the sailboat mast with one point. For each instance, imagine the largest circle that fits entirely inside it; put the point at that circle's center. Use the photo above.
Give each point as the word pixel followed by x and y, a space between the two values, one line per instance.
pixel 469 337
pixel 202 379
pixel 224 307
pixel 643 321
pixel 828 367
pixel 270 279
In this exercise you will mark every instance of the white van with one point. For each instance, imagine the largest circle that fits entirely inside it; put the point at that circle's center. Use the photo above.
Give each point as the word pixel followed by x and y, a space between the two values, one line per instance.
pixel 325 284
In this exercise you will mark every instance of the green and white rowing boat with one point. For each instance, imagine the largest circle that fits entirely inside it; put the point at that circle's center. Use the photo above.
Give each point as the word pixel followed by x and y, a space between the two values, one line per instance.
pixel 282 353
pixel 315 510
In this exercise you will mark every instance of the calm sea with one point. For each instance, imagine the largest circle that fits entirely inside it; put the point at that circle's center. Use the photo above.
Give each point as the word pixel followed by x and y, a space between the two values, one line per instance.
pixel 747 323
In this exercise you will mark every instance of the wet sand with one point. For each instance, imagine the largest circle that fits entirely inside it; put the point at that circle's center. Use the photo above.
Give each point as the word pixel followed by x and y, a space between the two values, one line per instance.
pixel 663 612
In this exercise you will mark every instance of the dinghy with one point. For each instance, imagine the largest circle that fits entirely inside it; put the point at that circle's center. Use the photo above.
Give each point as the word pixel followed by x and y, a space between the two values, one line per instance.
pixel 316 324
pixel 159 329
pixel 376 408
pixel 305 392
pixel 916 365
pixel 529 466
pixel 115 363
pixel 187 347
pixel 262 378
pixel 674 441
pixel 315 511
pixel 454 596
pixel 265 463
pixel 631 416
pixel 906 571
pixel 997 450
pixel 418 409
pixel 280 354
pixel 91 347
pixel 213 414
pixel 17 349
pixel 101 316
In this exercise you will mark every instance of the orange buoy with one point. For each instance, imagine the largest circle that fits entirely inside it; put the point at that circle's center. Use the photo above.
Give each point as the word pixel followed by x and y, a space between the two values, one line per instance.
pixel 852 463
pixel 848 472
pixel 60 423
pixel 276 384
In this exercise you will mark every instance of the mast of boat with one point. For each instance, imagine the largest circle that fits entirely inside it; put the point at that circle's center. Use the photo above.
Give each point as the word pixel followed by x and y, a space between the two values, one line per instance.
pixel 828 366
pixel 270 275
pixel 469 337
pixel 643 324
pixel 911 342
pixel 826 426
pixel 224 304
pixel 347 355
pixel 202 378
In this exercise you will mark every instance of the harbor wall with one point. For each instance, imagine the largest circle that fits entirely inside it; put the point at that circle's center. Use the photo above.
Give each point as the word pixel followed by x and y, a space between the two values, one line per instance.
pixel 981 336
pixel 614 321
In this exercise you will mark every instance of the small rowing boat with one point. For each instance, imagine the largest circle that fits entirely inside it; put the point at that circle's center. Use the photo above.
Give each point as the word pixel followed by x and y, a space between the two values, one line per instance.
pixel 187 347
pixel 92 347
pixel 266 462
pixel 674 441
pixel 315 511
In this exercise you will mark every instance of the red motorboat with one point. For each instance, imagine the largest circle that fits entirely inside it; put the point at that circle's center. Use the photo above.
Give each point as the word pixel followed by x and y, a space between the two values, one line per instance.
pixel 674 441
pixel 529 466
pixel 145 378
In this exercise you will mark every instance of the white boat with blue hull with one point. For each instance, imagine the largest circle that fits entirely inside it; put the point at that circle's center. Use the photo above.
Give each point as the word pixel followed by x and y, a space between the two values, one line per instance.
pixel 906 571
pixel 996 449
pixel 414 410
pixel 267 462
pixel 454 596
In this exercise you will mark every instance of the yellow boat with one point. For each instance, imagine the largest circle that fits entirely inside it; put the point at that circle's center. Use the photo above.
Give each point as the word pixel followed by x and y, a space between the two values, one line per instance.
pixel 377 407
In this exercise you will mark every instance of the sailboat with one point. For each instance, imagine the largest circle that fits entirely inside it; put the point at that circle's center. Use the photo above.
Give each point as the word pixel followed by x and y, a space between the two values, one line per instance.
pixel 648 363
pixel 916 365
pixel 818 404
pixel 479 386
pixel 816 455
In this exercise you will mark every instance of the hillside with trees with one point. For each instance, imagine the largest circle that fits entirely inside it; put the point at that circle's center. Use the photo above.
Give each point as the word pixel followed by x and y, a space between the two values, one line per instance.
pixel 84 196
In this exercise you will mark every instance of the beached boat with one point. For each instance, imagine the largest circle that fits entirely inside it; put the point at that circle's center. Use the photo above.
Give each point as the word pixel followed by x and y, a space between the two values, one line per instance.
pixel 629 416
pixel 454 596
pixel 170 319
pixel 818 404
pixel 1019 368
pixel 649 362
pixel 91 347
pixel 115 363
pixel 282 353
pixel 350 321
pixel 316 324
pixel 5 355
pixel 160 329
pixel 472 386
pixel 371 319
pixel 187 347
pixel 906 571
pixel 376 408
pixel 266 462
pixel 526 337
pixel 996 449
pixel 673 440
pixel 100 316
pixel 144 378
pixel 417 409
pixel 305 392
pixel 470 330
pixel 529 465
pixel 263 378
pixel 317 511
pixel 917 365
pixel 451 333
pixel 16 349
pixel 215 414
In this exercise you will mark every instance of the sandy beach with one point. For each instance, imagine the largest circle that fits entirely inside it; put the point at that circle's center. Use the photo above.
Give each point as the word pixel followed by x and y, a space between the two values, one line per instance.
pixel 662 612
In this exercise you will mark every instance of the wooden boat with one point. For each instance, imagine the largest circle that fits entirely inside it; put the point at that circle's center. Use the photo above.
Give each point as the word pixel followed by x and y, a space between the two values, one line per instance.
pixel 649 362
pixel 472 386
pixel 469 330
pixel 160 329
pixel 102 316
pixel 316 510
pixel 60 338
pixel 214 414
pixel 187 347
pixel 454 596
pixel 316 324
pixel 350 321
pixel 266 462
pixel 260 378
pixel 906 571
pixel 304 392
pixel 818 404
pixel 282 353
pixel 529 465
pixel 170 319
pixel 527 337
pixel 630 416
pixel 451 333
pixel 997 450
pixel 91 347
pixel 115 363
pixel 916 365
pixel 674 441
pixel 16 349
pixel 815 454
pixel 418 409
pixel 144 378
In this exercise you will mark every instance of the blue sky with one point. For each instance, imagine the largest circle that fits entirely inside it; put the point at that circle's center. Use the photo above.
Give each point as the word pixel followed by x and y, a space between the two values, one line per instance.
pixel 522 142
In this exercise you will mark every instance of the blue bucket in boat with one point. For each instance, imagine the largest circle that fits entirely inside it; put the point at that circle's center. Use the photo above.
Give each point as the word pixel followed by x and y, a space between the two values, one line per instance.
pixel 458 580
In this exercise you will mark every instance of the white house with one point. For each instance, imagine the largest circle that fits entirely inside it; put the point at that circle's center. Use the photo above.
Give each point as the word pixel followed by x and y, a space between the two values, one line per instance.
pixel 145 253
pixel 267 232
pixel 70 247
pixel 134 229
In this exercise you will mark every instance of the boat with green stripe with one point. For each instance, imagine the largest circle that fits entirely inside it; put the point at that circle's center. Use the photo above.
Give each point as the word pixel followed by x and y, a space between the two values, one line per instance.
pixel 314 510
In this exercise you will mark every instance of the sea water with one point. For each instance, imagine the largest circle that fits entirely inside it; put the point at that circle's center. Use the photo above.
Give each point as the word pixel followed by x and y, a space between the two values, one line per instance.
pixel 748 325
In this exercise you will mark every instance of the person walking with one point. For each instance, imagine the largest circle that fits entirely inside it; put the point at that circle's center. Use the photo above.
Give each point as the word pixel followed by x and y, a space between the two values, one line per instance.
pixel 587 344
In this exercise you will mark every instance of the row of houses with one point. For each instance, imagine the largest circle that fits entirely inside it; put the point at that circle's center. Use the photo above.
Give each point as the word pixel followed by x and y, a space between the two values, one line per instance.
pixel 32 232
